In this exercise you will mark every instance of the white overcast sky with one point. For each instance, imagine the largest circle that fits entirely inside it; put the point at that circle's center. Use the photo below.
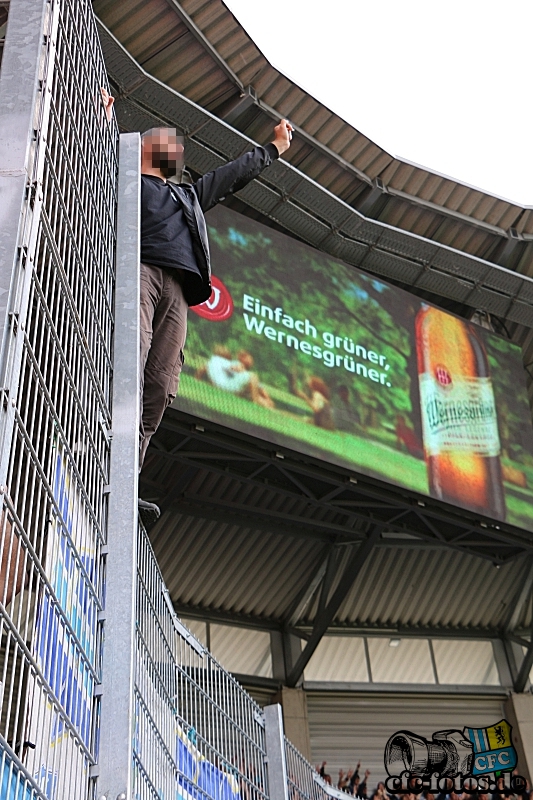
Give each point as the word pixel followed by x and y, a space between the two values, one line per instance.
pixel 443 83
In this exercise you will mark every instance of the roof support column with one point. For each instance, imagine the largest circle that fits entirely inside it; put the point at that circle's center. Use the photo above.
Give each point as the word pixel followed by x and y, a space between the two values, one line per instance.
pixel 295 719
pixel 292 650
pixel 504 661
pixel 519 713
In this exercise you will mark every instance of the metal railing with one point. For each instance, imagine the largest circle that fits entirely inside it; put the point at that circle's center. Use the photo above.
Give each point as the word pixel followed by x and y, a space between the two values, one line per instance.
pixel 55 373
pixel 198 733
pixel 303 781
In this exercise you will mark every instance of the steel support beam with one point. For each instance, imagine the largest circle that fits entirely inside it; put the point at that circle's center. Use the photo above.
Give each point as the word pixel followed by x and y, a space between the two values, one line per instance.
pixel 115 778
pixel 525 667
pixel 523 673
pixel 240 106
pixel 350 574
pixel 305 596
pixel 525 585
pixel 292 648
pixel 361 499
pixel 375 199
pixel 503 665
pixel 206 44
pixel 278 658
pixel 513 643
pixel 331 570
pixel 249 516
pixel 304 632
pixel 331 528
pixel 248 519
pixel 405 688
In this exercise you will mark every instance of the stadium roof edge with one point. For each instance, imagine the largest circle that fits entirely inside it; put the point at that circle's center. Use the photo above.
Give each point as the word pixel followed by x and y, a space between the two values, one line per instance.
pixel 311 211
pixel 199 48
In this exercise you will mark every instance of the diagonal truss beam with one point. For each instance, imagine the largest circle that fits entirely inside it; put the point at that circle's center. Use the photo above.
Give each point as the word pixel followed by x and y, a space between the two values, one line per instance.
pixel 206 44
pixel 305 596
pixel 525 585
pixel 524 596
pixel 349 576
pixel 278 516
pixel 360 499
pixel 525 668
pixel 332 567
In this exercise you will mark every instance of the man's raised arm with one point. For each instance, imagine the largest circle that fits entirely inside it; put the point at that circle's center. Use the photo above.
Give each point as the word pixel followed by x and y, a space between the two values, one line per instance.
pixel 214 186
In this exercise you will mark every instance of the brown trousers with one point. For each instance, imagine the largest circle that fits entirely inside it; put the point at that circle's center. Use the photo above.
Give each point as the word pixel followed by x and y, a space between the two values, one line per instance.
pixel 163 321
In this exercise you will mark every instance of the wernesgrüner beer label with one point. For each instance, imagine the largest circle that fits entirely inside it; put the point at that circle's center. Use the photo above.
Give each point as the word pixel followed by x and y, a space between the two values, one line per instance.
pixel 458 414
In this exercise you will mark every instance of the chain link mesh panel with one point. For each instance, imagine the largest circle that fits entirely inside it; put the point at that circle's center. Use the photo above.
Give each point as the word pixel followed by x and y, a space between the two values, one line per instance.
pixel 303 782
pixel 198 733
pixel 57 387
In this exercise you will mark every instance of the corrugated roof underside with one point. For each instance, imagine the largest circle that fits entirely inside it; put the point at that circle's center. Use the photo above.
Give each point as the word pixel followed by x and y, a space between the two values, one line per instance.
pixel 329 150
pixel 240 569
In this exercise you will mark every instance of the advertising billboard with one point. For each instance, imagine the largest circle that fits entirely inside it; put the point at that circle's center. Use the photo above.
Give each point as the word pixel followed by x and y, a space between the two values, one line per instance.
pixel 303 351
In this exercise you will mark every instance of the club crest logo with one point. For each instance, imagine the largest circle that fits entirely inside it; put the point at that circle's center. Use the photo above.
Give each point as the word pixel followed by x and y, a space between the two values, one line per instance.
pixel 463 758
pixel 219 306
pixel 493 749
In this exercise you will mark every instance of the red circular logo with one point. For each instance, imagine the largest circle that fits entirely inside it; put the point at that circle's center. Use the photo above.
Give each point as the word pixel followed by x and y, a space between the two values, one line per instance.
pixel 443 376
pixel 219 306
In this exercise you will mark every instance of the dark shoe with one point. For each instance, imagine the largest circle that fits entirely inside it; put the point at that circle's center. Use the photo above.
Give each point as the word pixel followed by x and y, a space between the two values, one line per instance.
pixel 149 513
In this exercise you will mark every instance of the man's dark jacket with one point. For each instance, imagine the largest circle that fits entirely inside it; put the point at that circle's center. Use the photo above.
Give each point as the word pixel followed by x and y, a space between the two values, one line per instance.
pixel 209 190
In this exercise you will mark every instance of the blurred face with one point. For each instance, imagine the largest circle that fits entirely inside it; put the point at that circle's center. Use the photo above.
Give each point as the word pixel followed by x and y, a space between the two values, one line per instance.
pixel 165 150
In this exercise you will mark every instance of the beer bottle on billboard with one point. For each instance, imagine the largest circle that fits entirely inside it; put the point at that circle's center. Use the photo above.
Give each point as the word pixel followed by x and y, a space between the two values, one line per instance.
pixel 459 419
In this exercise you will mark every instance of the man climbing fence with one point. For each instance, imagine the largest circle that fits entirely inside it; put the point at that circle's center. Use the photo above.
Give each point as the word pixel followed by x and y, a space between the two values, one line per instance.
pixel 175 262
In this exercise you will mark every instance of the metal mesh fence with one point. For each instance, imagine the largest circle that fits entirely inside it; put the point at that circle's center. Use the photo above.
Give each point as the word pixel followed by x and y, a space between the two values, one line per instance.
pixel 56 374
pixel 303 782
pixel 198 733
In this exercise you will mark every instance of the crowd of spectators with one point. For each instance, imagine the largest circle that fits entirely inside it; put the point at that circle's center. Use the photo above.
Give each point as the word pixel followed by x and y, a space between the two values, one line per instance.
pixel 350 781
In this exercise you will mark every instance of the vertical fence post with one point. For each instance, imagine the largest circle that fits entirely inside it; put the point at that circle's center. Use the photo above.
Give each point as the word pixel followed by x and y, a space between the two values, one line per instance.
pixel 117 716
pixel 275 748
